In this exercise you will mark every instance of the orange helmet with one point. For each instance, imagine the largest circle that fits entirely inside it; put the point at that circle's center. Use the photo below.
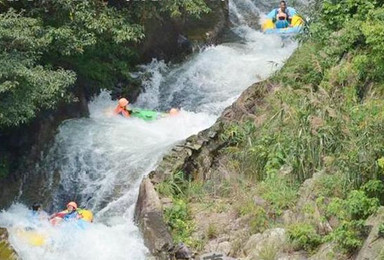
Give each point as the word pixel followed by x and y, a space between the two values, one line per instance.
pixel 73 204
pixel 123 102
pixel 173 111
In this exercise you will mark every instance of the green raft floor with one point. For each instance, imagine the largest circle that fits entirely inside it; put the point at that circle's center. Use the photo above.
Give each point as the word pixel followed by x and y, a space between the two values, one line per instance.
pixel 145 114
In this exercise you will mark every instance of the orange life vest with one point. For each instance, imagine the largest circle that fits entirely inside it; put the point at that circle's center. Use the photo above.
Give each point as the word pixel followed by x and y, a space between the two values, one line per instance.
pixel 122 111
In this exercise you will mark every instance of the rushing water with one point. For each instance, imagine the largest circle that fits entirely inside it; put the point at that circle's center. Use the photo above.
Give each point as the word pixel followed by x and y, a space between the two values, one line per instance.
pixel 100 161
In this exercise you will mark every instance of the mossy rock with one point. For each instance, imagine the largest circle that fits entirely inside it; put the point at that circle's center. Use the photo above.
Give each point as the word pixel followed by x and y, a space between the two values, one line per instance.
pixel 6 250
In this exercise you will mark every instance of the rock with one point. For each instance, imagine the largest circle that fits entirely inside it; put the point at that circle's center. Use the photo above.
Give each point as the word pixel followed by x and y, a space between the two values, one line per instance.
pixel 149 216
pixel 167 203
pixel 269 242
pixel 170 38
pixel 327 251
pixel 214 256
pixel 23 147
pixel 373 247
pixel 6 250
pixel 224 247
pixel 182 252
pixel 301 255
pixel 260 201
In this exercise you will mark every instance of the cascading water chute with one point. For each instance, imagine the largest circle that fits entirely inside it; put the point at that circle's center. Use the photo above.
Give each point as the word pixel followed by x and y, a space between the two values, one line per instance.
pixel 100 161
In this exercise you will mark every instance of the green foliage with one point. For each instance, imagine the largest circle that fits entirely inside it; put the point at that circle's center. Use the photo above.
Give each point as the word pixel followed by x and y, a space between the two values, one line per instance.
pixel 348 235
pixel 279 192
pixel 359 206
pixel 303 236
pixel 179 219
pixel 356 206
pixel 374 188
pixel 211 231
pixel 380 232
pixel 351 213
pixel 25 86
pixel 256 215
pixel 48 48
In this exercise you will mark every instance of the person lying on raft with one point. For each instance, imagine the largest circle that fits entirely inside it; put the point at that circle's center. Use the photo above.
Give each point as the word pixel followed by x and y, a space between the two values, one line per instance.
pixel 123 109
pixel 69 214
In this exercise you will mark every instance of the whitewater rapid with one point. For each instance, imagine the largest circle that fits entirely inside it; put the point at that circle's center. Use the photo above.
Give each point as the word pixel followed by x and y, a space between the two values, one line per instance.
pixel 100 161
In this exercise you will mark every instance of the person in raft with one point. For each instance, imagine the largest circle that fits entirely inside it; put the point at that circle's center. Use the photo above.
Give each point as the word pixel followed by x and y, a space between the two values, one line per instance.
pixel 67 215
pixel 123 110
pixel 283 18
pixel 38 214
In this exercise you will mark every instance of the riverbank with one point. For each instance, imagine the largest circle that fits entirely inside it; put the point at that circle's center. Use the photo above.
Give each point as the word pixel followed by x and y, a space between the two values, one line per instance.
pixel 294 168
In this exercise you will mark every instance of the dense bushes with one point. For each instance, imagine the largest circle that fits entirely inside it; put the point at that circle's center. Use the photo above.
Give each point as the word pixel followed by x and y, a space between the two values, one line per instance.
pixel 48 46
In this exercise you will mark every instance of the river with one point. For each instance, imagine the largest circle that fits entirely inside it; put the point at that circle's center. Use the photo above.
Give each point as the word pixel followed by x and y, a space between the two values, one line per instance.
pixel 100 161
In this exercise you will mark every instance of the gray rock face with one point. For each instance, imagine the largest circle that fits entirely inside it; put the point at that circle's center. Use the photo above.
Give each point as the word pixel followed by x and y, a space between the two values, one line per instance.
pixel 149 217
pixel 214 256
pixel 270 242
pixel 6 250
pixel 373 247
pixel 182 252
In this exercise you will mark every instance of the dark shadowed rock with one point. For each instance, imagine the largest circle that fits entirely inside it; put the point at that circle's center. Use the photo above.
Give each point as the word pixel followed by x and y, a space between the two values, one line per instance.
pixel 182 252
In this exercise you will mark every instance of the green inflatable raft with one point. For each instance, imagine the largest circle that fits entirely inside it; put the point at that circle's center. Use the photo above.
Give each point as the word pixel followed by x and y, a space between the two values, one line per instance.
pixel 146 114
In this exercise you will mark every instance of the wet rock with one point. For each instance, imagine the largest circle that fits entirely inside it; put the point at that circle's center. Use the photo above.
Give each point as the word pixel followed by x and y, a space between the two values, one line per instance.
pixel 24 146
pixel 170 38
pixel 149 217
pixel 6 250
pixel 373 247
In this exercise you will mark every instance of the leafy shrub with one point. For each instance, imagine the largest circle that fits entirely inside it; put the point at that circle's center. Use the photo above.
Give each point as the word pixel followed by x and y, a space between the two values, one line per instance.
pixel 380 232
pixel 179 219
pixel 348 235
pixel 279 192
pixel 303 236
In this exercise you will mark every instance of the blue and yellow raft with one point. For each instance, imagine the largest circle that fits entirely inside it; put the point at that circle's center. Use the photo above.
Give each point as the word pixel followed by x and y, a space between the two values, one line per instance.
pixel 269 26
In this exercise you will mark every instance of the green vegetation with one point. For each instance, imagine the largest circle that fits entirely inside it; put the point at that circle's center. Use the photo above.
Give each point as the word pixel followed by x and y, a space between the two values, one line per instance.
pixel 325 115
pixel 321 113
pixel 303 236
pixel 178 215
pixel 51 48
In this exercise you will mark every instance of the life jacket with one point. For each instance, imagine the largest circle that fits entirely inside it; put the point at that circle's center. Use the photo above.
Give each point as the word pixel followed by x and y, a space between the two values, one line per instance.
pixel 121 111
pixel 280 13
pixel 72 216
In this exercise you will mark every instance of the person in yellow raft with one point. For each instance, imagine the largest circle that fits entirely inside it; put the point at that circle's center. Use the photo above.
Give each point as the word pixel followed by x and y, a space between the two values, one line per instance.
pixel 123 110
pixel 71 213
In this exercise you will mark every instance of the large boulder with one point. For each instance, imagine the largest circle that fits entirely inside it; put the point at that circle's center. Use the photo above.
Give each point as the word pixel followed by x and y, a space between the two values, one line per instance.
pixel 6 250
pixel 149 217
pixel 270 242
